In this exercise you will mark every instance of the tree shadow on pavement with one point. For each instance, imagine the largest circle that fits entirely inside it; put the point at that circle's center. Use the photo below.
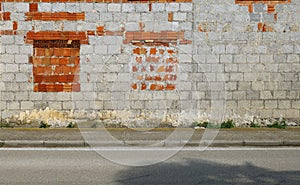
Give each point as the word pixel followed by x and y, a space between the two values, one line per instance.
pixel 204 172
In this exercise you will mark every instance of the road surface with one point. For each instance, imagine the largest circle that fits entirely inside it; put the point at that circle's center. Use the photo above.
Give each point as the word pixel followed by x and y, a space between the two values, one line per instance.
pixel 243 166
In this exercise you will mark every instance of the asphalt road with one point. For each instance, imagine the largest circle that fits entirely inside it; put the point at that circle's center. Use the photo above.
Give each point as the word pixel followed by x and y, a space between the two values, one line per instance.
pixel 243 166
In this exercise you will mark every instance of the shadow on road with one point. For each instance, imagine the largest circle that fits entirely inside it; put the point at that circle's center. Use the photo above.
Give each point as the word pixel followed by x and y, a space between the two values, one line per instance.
pixel 204 172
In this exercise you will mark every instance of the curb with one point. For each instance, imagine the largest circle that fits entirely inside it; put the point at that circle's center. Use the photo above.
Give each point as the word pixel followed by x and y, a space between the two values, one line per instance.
pixel 153 143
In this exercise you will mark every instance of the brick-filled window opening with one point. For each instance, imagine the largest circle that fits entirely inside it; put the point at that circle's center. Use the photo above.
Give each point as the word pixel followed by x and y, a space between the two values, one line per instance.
pixel 270 4
pixel 56 65
pixel 154 59
pixel 154 67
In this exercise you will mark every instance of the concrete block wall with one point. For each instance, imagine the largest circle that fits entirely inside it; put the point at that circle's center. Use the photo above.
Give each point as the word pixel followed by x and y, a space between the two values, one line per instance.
pixel 160 57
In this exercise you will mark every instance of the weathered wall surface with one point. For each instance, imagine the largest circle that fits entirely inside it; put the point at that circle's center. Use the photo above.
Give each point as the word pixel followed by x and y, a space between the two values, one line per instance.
pixel 206 56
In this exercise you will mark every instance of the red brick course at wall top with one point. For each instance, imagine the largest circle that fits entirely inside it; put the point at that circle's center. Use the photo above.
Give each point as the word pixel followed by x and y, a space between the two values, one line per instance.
pixel 99 1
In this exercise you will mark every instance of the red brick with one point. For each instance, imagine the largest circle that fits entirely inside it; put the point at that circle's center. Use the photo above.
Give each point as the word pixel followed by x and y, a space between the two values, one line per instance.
pixel 90 32
pixel 157 87
pixel 139 59
pixel 48 70
pixel 39 52
pixel 153 87
pixel 163 38
pixel 54 16
pixel 134 68
pixel 200 28
pixel 141 25
pixel 67 70
pixel 134 86
pixel 36 88
pixel 58 70
pixel 76 87
pixel 38 78
pixel 169 69
pixel 54 61
pixel 153 51
pixel 63 61
pixel 48 52
pixel 7 32
pixel 114 33
pixel 151 68
pixel 170 17
pixel 74 60
pixel 157 78
pixel 143 86
pixel 250 8
pixel 160 69
pixel 140 77
pixel 262 27
pixel 152 59
pixel 38 70
pixel 148 78
pixel 160 87
pixel 59 87
pixel 33 7
pixel 36 61
pixel 42 88
pixel 62 78
pixel 73 78
pixel 66 52
pixel 50 78
pixel 57 35
pixel 4 16
pixel 100 29
pixel 170 77
pixel 51 87
pixel 15 25
pixel 30 60
pixel 174 77
pixel 67 87
pixel 136 51
pixel 170 87
pixel 46 61
pixel 171 52
pixel 75 52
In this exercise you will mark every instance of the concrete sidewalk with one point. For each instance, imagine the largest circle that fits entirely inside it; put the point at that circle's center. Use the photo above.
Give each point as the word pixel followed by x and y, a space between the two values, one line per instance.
pixel 141 137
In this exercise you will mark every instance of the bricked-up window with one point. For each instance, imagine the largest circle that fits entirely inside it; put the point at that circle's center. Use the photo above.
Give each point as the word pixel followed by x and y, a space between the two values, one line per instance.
pixel 154 60
pixel 154 67
pixel 55 60
pixel 56 65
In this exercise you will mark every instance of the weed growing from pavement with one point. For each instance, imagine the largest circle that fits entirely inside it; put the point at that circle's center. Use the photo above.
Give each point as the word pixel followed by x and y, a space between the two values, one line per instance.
pixel 254 125
pixel 228 124
pixel 205 124
pixel 43 125
pixel 281 124
pixel 72 125
pixel 5 125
